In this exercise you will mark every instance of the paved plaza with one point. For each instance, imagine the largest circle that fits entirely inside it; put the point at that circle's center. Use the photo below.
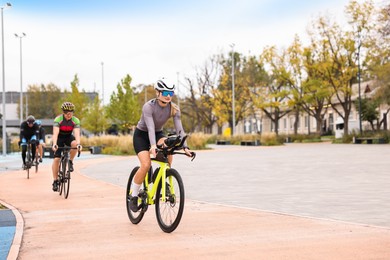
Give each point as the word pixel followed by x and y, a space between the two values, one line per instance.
pixel 297 201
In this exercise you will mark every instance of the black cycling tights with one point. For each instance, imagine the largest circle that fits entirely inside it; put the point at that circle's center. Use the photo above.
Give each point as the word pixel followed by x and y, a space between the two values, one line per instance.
pixel 24 151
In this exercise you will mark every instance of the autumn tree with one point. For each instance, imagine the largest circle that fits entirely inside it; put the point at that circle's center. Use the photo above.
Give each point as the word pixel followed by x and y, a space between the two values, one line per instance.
pixel 222 94
pixel 272 96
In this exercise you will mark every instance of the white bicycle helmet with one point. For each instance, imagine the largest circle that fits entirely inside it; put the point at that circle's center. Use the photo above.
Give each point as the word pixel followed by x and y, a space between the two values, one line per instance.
pixel 164 84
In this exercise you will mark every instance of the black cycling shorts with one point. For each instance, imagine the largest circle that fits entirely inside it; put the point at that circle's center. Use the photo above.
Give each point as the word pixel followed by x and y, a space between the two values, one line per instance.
pixel 141 140
pixel 61 141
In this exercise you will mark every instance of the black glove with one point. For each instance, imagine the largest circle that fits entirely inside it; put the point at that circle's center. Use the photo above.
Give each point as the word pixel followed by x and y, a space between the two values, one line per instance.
pixel 19 143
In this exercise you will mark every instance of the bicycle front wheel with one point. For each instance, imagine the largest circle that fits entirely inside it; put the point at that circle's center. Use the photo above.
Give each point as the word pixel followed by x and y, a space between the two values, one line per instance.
pixel 135 217
pixel 170 211
pixel 66 179
pixel 36 165
pixel 61 173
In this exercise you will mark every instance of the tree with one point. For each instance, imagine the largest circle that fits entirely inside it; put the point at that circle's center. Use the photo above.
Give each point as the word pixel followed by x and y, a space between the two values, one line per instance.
pixel 43 100
pixel 198 107
pixel 272 96
pixel 222 94
pixel 124 108
pixel 95 119
pixel 79 99
pixel 369 111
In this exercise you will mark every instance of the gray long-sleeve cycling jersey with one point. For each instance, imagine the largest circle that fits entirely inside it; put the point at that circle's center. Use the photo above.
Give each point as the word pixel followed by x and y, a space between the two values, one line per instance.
pixel 155 116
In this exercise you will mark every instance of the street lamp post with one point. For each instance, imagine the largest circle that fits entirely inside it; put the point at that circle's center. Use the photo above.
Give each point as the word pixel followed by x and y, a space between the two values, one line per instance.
pixel 233 94
pixel 102 83
pixel 359 80
pixel 2 51
pixel 21 76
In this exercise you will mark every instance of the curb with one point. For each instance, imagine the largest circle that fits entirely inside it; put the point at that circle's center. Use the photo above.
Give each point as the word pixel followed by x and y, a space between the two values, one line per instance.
pixel 17 241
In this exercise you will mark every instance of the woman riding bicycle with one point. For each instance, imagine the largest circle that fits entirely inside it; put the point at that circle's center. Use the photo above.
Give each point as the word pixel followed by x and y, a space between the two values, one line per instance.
pixel 66 131
pixel 149 132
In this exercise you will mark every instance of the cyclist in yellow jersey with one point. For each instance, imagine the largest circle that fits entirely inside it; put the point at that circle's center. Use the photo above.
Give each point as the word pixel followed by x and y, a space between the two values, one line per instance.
pixel 66 131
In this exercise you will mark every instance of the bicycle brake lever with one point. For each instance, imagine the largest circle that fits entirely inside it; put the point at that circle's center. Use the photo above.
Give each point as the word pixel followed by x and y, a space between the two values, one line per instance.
pixel 193 156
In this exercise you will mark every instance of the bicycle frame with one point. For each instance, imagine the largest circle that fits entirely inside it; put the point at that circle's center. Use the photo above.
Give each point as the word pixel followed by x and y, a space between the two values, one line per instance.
pixel 161 175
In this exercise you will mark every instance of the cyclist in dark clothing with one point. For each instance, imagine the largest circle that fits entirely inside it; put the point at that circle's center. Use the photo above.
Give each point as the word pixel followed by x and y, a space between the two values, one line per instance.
pixel 41 138
pixel 28 132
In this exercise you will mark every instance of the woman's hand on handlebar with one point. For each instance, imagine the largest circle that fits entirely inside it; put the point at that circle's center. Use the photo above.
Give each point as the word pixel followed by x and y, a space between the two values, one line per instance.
pixel 153 151
pixel 54 147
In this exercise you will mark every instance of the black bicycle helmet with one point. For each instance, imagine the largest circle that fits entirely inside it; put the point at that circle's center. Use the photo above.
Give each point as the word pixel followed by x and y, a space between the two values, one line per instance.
pixel 30 119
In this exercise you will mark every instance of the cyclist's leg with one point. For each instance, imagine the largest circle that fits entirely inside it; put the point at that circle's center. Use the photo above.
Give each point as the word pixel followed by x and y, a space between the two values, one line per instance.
pixel 141 145
pixel 56 163
pixel 144 159
pixel 40 149
pixel 33 146
pixel 71 141
pixel 24 150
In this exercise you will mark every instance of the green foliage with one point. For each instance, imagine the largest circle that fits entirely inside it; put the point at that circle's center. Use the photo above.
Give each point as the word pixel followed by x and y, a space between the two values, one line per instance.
pixel 124 108
pixel 95 119
pixel 43 100
pixel 79 99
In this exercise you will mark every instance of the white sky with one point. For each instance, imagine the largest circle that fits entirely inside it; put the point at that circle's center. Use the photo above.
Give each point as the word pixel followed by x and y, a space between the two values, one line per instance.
pixel 145 39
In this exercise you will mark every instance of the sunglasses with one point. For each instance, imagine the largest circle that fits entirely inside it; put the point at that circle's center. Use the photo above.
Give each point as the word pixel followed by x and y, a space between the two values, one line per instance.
pixel 165 93
pixel 68 111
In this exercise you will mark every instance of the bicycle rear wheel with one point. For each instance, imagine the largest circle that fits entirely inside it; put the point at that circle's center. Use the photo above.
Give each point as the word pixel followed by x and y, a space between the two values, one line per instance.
pixel 135 217
pixel 28 161
pixel 170 211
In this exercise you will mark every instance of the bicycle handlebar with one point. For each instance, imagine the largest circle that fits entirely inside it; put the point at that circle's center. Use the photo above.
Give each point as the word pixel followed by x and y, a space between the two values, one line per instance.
pixel 172 144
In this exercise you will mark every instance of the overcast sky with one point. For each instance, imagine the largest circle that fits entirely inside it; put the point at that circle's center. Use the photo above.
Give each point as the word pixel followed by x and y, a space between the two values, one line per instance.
pixel 145 39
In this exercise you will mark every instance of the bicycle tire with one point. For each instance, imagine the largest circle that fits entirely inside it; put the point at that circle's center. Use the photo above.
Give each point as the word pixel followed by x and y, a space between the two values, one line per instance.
pixel 60 178
pixel 66 178
pixel 169 213
pixel 36 165
pixel 28 160
pixel 135 217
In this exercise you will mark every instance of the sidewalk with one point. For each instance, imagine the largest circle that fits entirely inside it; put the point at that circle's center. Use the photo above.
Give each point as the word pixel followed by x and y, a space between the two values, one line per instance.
pixel 93 224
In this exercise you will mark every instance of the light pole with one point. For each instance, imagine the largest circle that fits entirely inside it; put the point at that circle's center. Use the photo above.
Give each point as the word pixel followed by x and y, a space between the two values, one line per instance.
pixel 2 52
pixel 177 90
pixel 102 63
pixel 233 94
pixel 21 75
pixel 360 98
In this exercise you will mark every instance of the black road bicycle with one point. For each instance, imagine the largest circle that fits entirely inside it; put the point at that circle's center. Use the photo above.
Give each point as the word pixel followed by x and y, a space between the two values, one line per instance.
pixel 63 171
pixel 29 161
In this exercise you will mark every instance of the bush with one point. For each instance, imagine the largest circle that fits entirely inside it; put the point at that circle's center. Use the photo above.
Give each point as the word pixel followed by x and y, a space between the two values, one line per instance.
pixel 198 141
pixel 112 144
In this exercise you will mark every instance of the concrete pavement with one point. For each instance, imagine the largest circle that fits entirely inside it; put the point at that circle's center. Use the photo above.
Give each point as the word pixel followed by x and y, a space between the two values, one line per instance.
pixel 92 223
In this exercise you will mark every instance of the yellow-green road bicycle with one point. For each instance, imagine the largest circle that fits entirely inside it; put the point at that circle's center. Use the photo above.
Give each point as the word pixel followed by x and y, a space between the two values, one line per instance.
pixel 163 188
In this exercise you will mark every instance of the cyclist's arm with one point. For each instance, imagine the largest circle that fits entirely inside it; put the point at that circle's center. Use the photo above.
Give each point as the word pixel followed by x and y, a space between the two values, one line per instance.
pixel 36 132
pixel 76 133
pixel 179 126
pixel 56 131
pixel 21 132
